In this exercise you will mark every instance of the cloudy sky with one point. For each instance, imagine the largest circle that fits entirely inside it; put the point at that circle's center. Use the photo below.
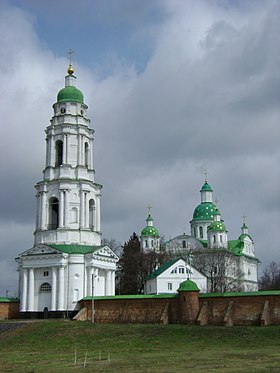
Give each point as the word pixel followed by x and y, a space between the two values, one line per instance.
pixel 173 87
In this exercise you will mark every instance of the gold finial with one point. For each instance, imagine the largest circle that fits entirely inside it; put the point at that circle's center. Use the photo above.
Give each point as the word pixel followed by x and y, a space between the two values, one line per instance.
pixel 149 207
pixel 244 219
pixel 70 68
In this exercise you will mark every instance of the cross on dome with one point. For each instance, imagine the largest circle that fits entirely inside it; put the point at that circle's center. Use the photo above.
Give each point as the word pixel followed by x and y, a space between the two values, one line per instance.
pixel 70 68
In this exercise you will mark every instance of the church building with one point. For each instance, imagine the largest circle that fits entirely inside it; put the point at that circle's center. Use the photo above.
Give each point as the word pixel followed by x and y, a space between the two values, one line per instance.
pixel 211 250
pixel 67 261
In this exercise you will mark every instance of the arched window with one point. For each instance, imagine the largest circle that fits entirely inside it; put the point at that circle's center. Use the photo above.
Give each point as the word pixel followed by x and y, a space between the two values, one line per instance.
pixel 53 213
pixel 152 243
pixel 221 238
pixel 45 287
pixel 86 155
pixel 200 232
pixel 91 213
pixel 74 215
pixel 184 244
pixel 58 153
pixel 214 238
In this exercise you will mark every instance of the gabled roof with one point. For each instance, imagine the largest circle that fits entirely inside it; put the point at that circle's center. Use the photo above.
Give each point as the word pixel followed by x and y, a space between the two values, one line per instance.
pixel 162 268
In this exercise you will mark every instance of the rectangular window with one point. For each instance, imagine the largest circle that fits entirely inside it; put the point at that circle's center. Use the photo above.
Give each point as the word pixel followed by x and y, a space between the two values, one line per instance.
pixel 169 286
pixel 221 238
pixel 46 273
pixel 181 270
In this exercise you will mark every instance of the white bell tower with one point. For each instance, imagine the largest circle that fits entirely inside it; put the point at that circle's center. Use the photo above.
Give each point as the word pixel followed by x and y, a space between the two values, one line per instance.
pixel 68 198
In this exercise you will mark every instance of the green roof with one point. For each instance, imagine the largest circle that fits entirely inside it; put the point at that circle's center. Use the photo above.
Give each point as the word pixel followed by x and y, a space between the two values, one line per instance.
pixel 217 226
pixel 188 285
pixel 241 294
pixel 244 235
pixel 76 249
pixel 70 94
pixel 204 211
pixel 206 187
pixel 203 242
pixel 149 231
pixel 161 269
pixel 8 300
pixel 132 296
pixel 236 247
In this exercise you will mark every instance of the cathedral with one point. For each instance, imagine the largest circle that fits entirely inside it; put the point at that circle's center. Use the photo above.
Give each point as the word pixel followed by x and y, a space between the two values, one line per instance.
pixel 67 261
pixel 208 249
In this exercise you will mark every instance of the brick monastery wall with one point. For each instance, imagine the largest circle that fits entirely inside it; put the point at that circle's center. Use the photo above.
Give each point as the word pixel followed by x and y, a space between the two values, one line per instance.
pixel 9 310
pixel 213 310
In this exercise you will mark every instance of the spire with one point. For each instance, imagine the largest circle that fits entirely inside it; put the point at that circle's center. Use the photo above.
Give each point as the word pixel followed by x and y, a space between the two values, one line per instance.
pixel 244 228
pixel 70 68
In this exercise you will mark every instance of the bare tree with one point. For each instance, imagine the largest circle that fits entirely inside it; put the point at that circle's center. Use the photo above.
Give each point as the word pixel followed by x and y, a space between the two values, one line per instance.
pixel 270 279
pixel 221 269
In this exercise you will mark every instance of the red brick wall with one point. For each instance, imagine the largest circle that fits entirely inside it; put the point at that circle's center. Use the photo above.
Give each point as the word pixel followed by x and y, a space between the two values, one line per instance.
pixel 9 310
pixel 237 310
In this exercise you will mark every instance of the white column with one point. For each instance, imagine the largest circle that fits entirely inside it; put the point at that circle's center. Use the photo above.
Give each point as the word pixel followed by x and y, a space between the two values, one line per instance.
pixel 64 156
pixel 89 277
pixel 43 210
pixel 61 208
pixel 47 152
pixel 96 288
pixel 86 210
pixel 24 280
pixel 82 151
pixel 54 288
pixel 66 148
pixel 82 209
pixel 66 208
pixel 97 213
pixel 60 305
pixel 37 211
pixel 52 152
pixel 107 282
pixel 30 306
pixel 79 151
pixel 113 283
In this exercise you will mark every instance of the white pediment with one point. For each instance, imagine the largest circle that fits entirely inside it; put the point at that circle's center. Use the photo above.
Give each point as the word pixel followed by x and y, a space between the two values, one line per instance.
pixel 106 252
pixel 40 250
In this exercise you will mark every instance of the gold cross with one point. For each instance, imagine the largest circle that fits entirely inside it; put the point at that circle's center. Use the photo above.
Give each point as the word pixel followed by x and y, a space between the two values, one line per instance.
pixel 70 56
pixel 244 218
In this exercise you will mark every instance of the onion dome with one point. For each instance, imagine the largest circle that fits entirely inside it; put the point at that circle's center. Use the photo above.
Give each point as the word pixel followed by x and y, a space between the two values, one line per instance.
pixel 149 230
pixel 188 285
pixel 204 211
pixel 217 226
pixel 206 187
pixel 70 94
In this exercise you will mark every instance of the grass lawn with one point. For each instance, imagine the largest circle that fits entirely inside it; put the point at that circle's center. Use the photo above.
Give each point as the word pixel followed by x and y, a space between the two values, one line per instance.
pixel 49 346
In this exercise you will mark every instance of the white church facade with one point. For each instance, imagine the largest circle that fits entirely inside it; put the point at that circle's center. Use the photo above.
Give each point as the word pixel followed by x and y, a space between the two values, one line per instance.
pixel 67 261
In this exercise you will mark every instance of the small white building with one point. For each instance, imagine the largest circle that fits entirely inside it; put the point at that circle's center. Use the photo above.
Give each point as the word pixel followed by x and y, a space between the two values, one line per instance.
pixel 168 277
pixel 67 261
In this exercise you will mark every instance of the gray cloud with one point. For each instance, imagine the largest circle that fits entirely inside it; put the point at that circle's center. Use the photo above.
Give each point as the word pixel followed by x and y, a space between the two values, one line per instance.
pixel 208 97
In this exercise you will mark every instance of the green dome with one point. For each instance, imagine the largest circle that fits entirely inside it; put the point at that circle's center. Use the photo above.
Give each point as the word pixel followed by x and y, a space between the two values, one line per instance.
pixel 149 231
pixel 217 226
pixel 206 187
pixel 188 285
pixel 204 211
pixel 70 94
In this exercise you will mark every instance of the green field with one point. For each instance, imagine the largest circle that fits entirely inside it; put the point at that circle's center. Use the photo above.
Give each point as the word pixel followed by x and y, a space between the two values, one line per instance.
pixel 68 346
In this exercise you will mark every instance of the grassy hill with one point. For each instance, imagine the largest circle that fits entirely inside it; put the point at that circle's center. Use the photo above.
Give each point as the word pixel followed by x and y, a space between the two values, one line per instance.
pixel 64 346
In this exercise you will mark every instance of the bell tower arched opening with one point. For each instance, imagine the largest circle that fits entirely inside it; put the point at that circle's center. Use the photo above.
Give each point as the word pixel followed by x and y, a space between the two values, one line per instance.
pixel 53 213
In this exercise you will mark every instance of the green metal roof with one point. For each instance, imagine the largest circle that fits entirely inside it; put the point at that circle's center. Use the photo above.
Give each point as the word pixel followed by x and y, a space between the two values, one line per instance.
pixel 188 285
pixel 206 187
pixel 243 235
pixel 241 294
pixel 149 231
pixel 217 226
pixel 70 94
pixel 8 300
pixel 204 211
pixel 162 268
pixel 132 296
pixel 76 249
